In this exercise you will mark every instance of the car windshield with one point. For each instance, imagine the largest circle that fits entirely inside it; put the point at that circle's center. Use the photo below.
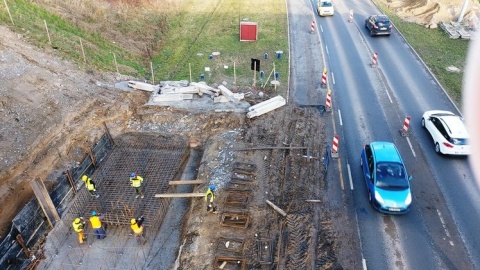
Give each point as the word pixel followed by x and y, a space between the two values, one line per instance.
pixel 391 176
pixel 383 22
pixel 326 4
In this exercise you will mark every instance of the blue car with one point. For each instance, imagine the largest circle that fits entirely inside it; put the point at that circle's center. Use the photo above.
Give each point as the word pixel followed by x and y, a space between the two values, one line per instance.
pixel 388 183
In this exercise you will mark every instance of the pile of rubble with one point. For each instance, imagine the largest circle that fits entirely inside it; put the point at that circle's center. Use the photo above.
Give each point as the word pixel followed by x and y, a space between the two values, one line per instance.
pixel 183 93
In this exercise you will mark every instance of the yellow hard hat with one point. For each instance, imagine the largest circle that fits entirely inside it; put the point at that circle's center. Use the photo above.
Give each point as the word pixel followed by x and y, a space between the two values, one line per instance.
pixel 84 178
pixel 133 221
pixel 77 220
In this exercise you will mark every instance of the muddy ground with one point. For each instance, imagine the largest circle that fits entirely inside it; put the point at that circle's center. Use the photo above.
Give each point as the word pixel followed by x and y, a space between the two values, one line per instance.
pixel 52 112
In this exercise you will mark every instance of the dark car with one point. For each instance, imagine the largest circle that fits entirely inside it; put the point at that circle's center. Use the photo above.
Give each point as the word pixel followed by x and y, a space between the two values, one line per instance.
pixel 378 25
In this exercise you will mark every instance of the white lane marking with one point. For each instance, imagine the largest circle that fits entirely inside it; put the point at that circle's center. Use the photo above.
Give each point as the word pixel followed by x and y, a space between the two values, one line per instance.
pixel 326 48
pixel 321 28
pixel 389 97
pixel 340 118
pixel 411 148
pixel 333 79
pixel 350 176
pixel 444 225
pixel 364 264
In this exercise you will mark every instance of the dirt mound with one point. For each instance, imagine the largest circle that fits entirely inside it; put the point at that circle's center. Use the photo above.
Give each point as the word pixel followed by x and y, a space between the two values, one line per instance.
pixel 432 12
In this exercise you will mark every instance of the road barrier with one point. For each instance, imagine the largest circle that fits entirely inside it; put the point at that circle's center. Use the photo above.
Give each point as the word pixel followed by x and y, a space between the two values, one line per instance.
pixel 374 60
pixel 312 27
pixel 350 19
pixel 328 101
pixel 335 146
pixel 406 124
pixel 324 78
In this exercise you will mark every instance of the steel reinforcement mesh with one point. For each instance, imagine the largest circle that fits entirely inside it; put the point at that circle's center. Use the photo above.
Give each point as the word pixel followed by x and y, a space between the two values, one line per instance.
pixel 157 158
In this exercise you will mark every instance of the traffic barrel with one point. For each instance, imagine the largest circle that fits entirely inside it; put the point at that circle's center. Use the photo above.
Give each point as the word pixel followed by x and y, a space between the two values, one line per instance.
pixel 350 19
pixel 324 78
pixel 334 151
pixel 312 27
pixel 406 124
pixel 328 101
pixel 374 60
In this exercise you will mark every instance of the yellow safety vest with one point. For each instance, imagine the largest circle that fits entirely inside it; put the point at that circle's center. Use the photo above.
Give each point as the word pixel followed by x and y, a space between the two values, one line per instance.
pixel 209 192
pixel 96 222
pixel 137 181
pixel 137 229
pixel 78 227
pixel 89 184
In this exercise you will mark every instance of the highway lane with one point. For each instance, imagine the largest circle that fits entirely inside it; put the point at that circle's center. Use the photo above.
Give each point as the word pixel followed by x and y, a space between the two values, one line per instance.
pixel 373 103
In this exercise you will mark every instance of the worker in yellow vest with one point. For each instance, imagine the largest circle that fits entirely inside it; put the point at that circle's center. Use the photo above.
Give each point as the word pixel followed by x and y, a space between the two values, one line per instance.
pixel 136 182
pixel 91 187
pixel 209 198
pixel 96 223
pixel 137 226
pixel 78 226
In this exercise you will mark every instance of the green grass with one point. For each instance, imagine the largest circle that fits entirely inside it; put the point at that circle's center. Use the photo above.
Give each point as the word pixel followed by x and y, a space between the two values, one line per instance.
pixel 193 28
pixel 180 38
pixel 438 51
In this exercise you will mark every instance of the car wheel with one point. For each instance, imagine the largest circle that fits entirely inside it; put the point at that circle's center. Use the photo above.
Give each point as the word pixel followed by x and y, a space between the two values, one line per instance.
pixel 366 25
pixel 361 162
pixel 437 148
pixel 372 33
pixel 423 122
pixel 369 197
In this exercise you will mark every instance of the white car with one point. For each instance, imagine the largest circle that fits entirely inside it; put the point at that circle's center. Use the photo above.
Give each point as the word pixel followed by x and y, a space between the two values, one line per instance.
pixel 325 8
pixel 448 131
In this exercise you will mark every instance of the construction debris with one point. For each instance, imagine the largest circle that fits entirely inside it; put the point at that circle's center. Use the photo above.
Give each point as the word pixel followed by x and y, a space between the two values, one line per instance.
pixel 455 30
pixel 266 106
pixel 143 86
pixel 283 213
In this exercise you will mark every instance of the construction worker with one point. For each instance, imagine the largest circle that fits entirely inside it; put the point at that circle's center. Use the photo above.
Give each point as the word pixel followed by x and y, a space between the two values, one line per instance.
pixel 209 197
pixel 137 226
pixel 136 182
pixel 91 187
pixel 96 223
pixel 78 225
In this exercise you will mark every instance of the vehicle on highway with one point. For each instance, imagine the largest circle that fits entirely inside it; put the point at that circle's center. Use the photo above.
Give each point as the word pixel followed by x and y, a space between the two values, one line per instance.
pixel 448 131
pixel 388 183
pixel 378 25
pixel 325 8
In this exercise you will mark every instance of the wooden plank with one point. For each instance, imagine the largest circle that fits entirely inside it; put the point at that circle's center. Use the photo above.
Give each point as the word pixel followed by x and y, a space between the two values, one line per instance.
pixel 179 195
pixel 45 201
pixel 186 182
pixel 276 208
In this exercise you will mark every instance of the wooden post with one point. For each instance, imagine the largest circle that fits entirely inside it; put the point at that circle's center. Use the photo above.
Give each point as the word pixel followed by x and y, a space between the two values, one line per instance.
pixel 276 208
pixel 268 78
pixel 115 61
pixel 21 242
pixel 48 33
pixel 83 51
pixel 151 69
pixel 254 73
pixel 45 201
pixel 8 10
pixel 234 74
pixel 92 156
pixel 190 71
pixel 72 183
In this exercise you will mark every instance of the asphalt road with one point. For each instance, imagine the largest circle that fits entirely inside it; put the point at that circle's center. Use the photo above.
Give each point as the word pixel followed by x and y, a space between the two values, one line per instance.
pixel 370 104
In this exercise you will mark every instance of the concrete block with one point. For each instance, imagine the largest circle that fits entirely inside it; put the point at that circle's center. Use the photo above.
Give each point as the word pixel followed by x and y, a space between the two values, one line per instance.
pixel 263 103
pixel 266 108
pixel 143 86
pixel 221 99
pixel 171 97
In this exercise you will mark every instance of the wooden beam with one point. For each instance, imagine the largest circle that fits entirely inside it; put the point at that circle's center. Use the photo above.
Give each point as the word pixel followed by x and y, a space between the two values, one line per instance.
pixel 276 208
pixel 179 195
pixel 267 148
pixel 186 182
pixel 45 201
